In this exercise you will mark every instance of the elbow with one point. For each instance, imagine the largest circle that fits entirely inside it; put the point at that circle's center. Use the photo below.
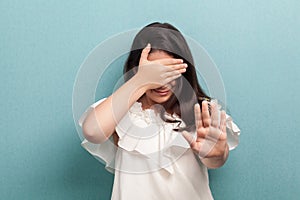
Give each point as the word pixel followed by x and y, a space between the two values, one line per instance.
pixel 93 133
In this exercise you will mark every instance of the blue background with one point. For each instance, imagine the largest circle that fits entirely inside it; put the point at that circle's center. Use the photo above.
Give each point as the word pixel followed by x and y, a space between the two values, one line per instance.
pixel 255 45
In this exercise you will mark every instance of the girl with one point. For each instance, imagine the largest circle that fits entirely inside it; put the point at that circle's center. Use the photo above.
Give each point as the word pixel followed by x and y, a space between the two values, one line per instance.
pixel 159 132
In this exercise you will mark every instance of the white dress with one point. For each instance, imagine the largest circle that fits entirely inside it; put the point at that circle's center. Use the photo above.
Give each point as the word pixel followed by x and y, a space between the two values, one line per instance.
pixel 152 161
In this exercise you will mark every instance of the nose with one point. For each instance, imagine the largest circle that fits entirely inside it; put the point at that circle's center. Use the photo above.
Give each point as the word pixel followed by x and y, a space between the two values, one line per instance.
pixel 168 86
pixel 165 87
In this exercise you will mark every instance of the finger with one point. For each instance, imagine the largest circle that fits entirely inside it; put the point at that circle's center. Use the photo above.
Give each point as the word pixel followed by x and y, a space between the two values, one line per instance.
pixel 173 73
pixel 215 121
pixel 189 137
pixel 223 121
pixel 205 114
pixel 145 52
pixel 201 134
pixel 198 118
pixel 177 66
pixel 171 78
pixel 170 74
pixel 169 61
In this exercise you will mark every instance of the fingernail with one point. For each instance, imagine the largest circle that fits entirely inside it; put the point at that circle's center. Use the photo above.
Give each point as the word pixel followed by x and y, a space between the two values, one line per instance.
pixel 148 45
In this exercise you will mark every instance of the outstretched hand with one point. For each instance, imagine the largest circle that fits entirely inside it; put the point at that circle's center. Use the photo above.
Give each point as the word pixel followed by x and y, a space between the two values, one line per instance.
pixel 210 140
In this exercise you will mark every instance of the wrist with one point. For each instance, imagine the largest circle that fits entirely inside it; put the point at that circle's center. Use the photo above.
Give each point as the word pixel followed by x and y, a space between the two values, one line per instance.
pixel 216 161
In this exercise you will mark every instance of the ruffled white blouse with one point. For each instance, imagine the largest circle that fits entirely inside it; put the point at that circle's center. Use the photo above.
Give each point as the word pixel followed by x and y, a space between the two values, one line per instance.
pixel 152 161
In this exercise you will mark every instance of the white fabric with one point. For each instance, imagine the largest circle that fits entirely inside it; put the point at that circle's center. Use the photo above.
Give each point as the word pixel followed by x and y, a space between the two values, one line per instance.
pixel 153 161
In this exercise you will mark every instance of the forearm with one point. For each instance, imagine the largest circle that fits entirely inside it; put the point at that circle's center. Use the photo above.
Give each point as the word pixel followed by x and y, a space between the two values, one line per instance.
pixel 217 161
pixel 100 124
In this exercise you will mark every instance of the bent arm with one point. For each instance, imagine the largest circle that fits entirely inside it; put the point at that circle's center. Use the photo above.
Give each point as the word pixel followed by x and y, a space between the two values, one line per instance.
pixel 100 124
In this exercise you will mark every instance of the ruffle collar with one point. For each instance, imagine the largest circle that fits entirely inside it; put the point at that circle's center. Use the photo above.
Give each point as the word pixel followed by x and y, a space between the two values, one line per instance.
pixel 142 131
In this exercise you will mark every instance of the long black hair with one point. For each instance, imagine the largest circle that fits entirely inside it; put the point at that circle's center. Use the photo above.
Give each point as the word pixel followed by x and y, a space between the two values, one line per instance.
pixel 187 92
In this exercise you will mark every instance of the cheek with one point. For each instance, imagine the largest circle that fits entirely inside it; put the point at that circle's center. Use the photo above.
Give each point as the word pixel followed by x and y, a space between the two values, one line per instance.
pixel 173 83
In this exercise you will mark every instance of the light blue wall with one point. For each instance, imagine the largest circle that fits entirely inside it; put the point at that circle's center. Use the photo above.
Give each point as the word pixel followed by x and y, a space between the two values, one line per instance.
pixel 254 43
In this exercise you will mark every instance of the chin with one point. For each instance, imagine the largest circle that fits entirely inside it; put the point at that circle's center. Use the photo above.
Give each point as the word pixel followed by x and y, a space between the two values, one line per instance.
pixel 160 100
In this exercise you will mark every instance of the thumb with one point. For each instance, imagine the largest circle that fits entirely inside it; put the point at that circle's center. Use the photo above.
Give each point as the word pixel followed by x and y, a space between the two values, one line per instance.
pixel 145 52
pixel 188 136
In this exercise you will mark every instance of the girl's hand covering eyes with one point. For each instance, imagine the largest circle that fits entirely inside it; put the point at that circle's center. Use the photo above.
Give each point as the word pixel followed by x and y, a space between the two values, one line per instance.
pixel 157 73
pixel 211 137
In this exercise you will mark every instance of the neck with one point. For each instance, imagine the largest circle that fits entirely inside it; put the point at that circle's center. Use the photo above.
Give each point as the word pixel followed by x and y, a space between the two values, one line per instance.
pixel 147 103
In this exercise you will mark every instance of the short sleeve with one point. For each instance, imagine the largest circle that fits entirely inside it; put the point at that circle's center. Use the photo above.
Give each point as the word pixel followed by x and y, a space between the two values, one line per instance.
pixel 233 133
pixel 104 152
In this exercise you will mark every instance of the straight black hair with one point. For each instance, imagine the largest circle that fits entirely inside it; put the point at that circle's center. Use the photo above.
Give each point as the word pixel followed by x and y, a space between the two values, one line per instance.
pixel 187 92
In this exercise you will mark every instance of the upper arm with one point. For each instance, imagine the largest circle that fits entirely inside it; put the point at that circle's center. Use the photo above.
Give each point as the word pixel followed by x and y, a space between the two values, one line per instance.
pixel 90 126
